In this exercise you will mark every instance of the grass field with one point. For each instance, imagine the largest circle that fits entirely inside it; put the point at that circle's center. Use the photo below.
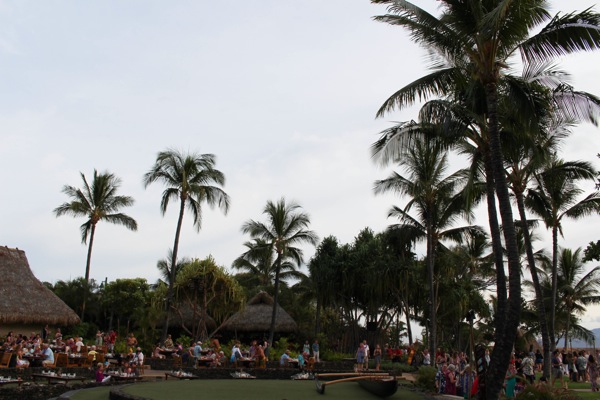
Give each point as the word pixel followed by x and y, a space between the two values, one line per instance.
pixel 242 389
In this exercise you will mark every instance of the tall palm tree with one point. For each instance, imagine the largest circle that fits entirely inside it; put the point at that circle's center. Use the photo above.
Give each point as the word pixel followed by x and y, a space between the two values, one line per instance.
pixel 192 179
pixel 96 202
pixel 438 202
pixel 555 196
pixel 286 228
pixel 482 36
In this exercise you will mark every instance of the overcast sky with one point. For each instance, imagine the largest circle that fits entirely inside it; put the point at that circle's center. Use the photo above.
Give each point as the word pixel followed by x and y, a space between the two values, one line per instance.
pixel 283 92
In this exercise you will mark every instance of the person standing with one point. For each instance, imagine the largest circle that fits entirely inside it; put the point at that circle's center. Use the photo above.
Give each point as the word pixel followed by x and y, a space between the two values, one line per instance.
pixel 306 348
pixel 367 353
pixel 377 354
pixel 360 357
pixel 315 349
pixel 592 370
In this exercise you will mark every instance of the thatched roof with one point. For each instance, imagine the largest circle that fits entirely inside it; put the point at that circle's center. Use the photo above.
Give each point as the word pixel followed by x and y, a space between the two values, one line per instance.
pixel 256 317
pixel 24 299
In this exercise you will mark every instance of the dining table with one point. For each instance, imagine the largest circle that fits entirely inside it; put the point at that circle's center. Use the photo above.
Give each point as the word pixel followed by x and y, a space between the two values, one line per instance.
pixel 167 352
pixel 56 378
pixel 246 362
pixel 120 377
pixel 35 359
pixel 204 361
pixel 180 376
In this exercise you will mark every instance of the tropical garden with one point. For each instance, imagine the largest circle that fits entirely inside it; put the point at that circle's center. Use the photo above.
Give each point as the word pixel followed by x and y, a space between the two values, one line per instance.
pixel 496 100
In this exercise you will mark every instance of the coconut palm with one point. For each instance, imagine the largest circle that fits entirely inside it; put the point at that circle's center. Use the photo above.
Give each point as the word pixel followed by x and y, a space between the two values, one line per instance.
pixel 576 287
pixel 438 202
pixel 556 195
pixel 96 202
pixel 285 229
pixel 259 261
pixel 192 179
pixel 482 36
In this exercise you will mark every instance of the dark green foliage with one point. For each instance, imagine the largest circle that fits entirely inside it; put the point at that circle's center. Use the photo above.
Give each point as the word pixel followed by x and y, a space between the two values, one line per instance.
pixel 426 378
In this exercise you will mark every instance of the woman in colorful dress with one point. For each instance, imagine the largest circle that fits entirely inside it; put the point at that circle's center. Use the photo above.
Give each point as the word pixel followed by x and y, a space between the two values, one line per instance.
pixel 592 370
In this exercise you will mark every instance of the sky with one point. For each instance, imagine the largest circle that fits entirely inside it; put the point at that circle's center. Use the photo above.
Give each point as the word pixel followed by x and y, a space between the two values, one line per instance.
pixel 283 92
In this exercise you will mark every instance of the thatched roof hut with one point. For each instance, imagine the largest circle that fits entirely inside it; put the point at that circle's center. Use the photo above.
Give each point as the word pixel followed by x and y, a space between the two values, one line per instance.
pixel 256 317
pixel 25 303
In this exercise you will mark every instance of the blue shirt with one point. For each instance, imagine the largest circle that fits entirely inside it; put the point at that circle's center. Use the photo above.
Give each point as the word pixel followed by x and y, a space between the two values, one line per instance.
pixel 197 351
pixel 49 354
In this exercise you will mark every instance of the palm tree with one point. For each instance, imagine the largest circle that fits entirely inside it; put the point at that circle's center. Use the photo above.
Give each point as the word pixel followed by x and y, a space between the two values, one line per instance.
pixel 286 228
pixel 577 289
pixel 191 179
pixel 98 202
pixel 259 261
pixel 480 37
pixel 554 197
pixel 438 202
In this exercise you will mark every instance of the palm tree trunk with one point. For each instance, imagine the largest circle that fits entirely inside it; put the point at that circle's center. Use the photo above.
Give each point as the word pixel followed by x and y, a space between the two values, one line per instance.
pixel 318 316
pixel 430 272
pixel 172 272
pixel 505 337
pixel 539 295
pixel 554 286
pixel 275 296
pixel 87 270
pixel 496 235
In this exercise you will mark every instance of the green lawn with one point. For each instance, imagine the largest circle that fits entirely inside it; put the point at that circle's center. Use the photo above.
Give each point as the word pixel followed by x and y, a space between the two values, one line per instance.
pixel 242 389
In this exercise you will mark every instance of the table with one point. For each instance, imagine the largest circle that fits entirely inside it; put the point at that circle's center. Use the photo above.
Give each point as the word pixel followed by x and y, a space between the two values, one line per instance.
pixel 204 361
pixel 167 352
pixel 59 378
pixel 177 376
pixel 120 378
pixel 244 362
pixel 76 360
pixel 35 360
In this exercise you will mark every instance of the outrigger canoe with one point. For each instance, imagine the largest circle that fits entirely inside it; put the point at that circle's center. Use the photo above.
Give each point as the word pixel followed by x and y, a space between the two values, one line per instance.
pixel 380 384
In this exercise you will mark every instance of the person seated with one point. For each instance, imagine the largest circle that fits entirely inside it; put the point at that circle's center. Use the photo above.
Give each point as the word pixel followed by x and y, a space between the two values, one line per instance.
pixel 48 355
pixel 79 344
pixel 138 358
pixel 169 343
pixel 197 353
pixel 93 352
pixel 156 352
pixel 21 362
pixel 221 359
pixel 100 377
pixel 285 358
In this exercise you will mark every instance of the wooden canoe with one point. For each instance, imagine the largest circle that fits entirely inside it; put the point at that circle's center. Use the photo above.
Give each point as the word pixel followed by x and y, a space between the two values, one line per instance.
pixel 383 387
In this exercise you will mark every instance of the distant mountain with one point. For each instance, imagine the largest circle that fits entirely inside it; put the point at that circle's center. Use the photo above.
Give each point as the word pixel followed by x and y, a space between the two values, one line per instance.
pixel 580 344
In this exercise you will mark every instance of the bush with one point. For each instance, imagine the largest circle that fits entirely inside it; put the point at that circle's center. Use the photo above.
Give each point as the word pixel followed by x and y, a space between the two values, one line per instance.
pixel 426 378
pixel 546 392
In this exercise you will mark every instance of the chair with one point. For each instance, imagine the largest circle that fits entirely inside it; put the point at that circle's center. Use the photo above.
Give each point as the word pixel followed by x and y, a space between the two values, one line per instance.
pixel 100 358
pixel 5 360
pixel 177 361
pixel 46 365
pixel 87 363
pixel 310 365
pixel 62 360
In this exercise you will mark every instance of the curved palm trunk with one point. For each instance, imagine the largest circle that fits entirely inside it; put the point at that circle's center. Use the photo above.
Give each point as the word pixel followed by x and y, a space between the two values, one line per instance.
pixel 496 235
pixel 539 295
pixel 505 337
pixel 170 294
pixel 275 296
pixel 87 270
pixel 552 329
